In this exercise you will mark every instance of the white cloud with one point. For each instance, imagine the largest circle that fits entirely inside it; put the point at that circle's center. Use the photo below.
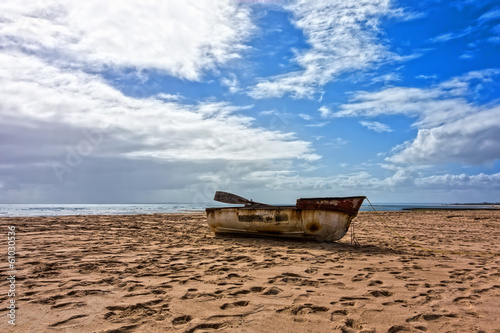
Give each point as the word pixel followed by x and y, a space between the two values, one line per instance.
pixel 170 97
pixel 449 180
pixel 450 36
pixel 490 15
pixel 276 113
pixel 336 142
pixel 343 36
pixel 467 55
pixel 342 184
pixel 231 83
pixel 376 126
pixel 35 91
pixel 325 112
pixel 322 124
pixel 181 38
pixel 363 182
pixel 305 116
pixel 425 105
pixel 406 183
pixel 451 128
pixel 434 106
pixel 426 77
pixel 386 78
pixel 474 139
pixel 414 102
pixel 443 38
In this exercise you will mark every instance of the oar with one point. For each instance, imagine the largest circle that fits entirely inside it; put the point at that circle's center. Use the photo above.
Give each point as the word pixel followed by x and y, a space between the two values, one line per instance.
pixel 234 199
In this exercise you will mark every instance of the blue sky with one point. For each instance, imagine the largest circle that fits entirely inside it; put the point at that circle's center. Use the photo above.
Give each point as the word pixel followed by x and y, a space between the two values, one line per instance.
pixel 121 102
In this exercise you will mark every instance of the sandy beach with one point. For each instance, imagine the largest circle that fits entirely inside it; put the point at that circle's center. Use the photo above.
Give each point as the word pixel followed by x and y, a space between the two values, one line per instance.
pixel 169 273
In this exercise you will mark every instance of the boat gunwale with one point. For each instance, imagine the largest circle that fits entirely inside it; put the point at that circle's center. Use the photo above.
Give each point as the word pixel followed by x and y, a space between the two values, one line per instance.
pixel 253 207
pixel 333 208
pixel 260 206
pixel 335 198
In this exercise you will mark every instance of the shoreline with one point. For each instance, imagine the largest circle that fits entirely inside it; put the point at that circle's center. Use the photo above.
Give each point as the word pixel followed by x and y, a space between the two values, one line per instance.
pixel 34 210
pixel 450 208
pixel 169 272
pixel 202 211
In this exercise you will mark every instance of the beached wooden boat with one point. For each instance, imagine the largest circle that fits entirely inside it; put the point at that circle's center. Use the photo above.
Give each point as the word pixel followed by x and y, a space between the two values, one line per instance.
pixel 327 219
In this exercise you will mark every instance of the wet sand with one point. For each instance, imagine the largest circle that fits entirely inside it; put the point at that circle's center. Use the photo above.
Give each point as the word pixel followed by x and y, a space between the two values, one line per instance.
pixel 169 273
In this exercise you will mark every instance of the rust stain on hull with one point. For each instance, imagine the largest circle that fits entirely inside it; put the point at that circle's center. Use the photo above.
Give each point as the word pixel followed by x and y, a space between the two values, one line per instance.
pixel 313 226
pixel 261 218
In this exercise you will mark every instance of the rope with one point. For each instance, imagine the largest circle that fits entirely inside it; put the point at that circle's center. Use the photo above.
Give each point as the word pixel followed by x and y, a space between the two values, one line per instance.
pixel 404 239
pixel 353 237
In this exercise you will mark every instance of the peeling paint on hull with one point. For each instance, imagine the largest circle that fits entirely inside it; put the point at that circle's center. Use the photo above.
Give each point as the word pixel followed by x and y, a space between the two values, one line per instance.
pixel 326 223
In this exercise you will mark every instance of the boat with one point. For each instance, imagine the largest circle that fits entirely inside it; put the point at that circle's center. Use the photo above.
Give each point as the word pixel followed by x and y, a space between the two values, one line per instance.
pixel 326 219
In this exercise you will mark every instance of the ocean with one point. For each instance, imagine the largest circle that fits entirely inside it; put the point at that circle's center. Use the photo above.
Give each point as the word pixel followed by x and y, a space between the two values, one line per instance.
pixel 30 210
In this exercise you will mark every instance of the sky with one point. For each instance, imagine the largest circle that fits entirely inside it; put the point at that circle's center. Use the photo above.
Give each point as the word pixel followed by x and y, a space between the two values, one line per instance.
pixel 168 101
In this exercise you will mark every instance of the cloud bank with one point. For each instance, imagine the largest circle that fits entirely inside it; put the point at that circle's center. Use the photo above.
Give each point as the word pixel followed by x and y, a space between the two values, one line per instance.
pixel 69 136
pixel 181 38
pixel 451 126
pixel 36 91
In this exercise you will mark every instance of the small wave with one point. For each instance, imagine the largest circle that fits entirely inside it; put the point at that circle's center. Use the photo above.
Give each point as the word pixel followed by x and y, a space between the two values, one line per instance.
pixel 28 210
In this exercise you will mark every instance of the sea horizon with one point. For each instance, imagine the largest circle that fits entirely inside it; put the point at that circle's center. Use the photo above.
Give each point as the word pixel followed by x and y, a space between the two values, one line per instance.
pixel 65 209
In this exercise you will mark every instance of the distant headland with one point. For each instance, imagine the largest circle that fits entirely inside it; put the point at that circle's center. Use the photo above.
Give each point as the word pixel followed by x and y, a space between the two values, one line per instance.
pixel 477 204
pixel 461 206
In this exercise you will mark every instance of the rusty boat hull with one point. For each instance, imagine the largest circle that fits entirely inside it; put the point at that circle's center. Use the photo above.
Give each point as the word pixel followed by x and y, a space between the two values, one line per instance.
pixel 326 219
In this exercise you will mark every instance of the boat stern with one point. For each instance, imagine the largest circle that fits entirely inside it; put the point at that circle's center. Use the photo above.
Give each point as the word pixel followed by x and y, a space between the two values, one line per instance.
pixel 347 205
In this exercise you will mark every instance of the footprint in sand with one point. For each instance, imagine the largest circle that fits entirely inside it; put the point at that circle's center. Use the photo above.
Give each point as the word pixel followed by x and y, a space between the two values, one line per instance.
pixel 50 300
pixel 381 293
pixel 375 283
pixel 308 308
pixel 469 299
pixel 361 277
pixel 59 323
pixel 257 289
pixel 400 328
pixel 205 326
pixel 69 305
pixel 87 268
pixel 352 325
pixel 341 312
pixel 350 301
pixel 234 305
pixel 395 302
pixel 181 320
pixel 295 279
pixel 86 292
pixel 430 317
pixel 240 292
pixel 133 312
pixel 412 286
pixel 123 329
pixel 272 291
